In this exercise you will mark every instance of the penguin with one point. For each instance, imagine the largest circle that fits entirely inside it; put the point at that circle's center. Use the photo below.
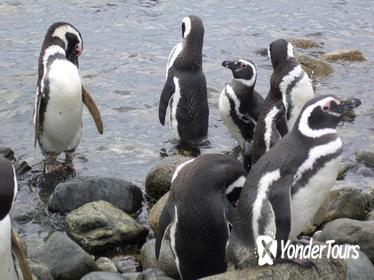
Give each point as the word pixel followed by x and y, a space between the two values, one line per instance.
pixel 288 184
pixel 239 104
pixel 197 214
pixel 290 88
pixel 8 241
pixel 185 90
pixel 60 95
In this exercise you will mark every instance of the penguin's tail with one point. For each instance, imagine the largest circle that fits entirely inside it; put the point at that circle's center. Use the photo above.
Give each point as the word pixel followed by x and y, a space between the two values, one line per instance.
pixel 21 257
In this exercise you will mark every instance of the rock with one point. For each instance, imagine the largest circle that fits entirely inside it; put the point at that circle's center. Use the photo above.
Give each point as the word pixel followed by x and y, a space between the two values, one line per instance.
pixel 329 268
pixel 165 262
pixel 131 275
pixel 105 264
pixel 98 226
pixel 126 264
pixel 351 232
pixel 40 271
pixel 344 167
pixel 345 55
pixel 360 268
pixel 262 52
pixel 315 68
pixel 21 214
pixel 103 276
pixel 7 153
pixel 22 168
pixel 363 171
pixel 156 210
pixel 366 157
pixel 159 177
pixel 66 260
pixel 74 193
pixel 370 216
pixel 304 43
pixel 152 274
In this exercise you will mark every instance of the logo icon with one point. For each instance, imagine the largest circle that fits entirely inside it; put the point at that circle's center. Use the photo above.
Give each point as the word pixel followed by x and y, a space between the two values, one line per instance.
pixel 266 249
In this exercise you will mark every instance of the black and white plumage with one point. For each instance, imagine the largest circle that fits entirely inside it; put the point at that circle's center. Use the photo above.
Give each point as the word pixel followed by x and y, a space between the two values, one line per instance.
pixel 198 211
pixel 286 187
pixel 290 88
pixel 185 91
pixel 239 104
pixel 8 192
pixel 59 95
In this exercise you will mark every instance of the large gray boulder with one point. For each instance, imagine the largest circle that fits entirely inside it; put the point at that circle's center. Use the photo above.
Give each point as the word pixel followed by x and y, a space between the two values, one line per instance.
pixel 314 67
pixel 360 268
pixel 103 276
pixel 98 226
pixel 348 231
pixel 158 180
pixel 65 259
pixel 366 157
pixel 156 210
pixel 74 193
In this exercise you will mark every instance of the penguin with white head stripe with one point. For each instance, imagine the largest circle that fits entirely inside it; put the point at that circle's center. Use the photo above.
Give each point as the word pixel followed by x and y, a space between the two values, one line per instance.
pixel 198 212
pixel 60 95
pixel 290 88
pixel 8 241
pixel 185 91
pixel 286 187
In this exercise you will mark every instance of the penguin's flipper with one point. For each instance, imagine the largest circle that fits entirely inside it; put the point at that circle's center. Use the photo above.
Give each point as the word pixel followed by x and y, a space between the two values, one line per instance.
pixel 166 94
pixel 281 122
pixel 38 101
pixel 92 108
pixel 164 223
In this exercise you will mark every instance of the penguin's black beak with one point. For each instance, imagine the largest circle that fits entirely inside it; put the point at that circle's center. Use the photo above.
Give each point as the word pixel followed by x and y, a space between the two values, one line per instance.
pixel 229 64
pixel 346 106
pixel 73 58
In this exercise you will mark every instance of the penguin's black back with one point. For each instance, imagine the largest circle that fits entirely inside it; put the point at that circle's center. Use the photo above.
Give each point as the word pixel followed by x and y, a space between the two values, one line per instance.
pixel 7 187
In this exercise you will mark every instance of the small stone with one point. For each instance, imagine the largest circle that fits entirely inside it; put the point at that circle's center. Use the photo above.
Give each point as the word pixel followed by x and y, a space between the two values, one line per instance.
pixel 304 43
pixel 156 210
pixel 126 264
pixel 105 264
pixel 158 180
pixel 131 275
pixel 345 55
pixel 7 153
pixel 370 216
pixel 22 168
pixel 152 274
pixel 99 226
pixel 41 271
pixel 344 167
pixel 72 194
pixel 103 276
pixel 262 52
pixel 315 68
pixel 366 157
pixel 66 260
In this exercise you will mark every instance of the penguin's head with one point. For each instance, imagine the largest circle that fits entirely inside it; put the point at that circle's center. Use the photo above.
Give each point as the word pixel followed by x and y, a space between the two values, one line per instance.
pixel 280 51
pixel 68 37
pixel 321 115
pixel 192 29
pixel 234 187
pixel 8 187
pixel 243 70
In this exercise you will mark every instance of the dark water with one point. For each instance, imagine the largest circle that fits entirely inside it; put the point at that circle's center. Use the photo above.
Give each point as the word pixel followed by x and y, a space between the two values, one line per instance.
pixel 126 45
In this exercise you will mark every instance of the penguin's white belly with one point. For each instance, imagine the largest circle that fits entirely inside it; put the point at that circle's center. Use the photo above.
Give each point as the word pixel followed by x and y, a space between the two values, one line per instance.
pixel 224 111
pixel 173 107
pixel 306 202
pixel 300 94
pixel 6 261
pixel 63 117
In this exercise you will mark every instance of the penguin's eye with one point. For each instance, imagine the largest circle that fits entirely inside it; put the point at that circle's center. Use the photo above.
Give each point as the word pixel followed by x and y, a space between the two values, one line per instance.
pixel 244 65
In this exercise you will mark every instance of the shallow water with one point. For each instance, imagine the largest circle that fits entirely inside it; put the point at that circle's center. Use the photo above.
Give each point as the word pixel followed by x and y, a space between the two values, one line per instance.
pixel 126 45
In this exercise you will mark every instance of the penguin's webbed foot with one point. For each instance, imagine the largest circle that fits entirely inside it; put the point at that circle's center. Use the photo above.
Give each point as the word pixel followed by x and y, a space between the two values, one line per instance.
pixel 53 167
pixel 69 166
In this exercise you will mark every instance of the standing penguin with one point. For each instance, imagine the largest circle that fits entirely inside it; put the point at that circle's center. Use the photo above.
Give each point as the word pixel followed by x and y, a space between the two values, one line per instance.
pixel 239 104
pixel 286 187
pixel 185 92
pixel 8 241
pixel 197 213
pixel 59 96
pixel 290 88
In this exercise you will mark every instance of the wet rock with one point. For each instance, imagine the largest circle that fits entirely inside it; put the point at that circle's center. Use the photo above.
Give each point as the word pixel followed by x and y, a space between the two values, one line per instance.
pixel 21 214
pixel 344 167
pixel 105 264
pixel 98 226
pixel 74 193
pixel 131 275
pixel 262 52
pixel 22 168
pixel 66 260
pixel 165 262
pixel 363 171
pixel 159 177
pixel 344 55
pixel 360 268
pixel 156 210
pixel 152 274
pixel 370 216
pixel 315 68
pixel 40 271
pixel 103 276
pixel 366 157
pixel 348 231
pixel 126 264
pixel 304 43
pixel 7 153
pixel 329 268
